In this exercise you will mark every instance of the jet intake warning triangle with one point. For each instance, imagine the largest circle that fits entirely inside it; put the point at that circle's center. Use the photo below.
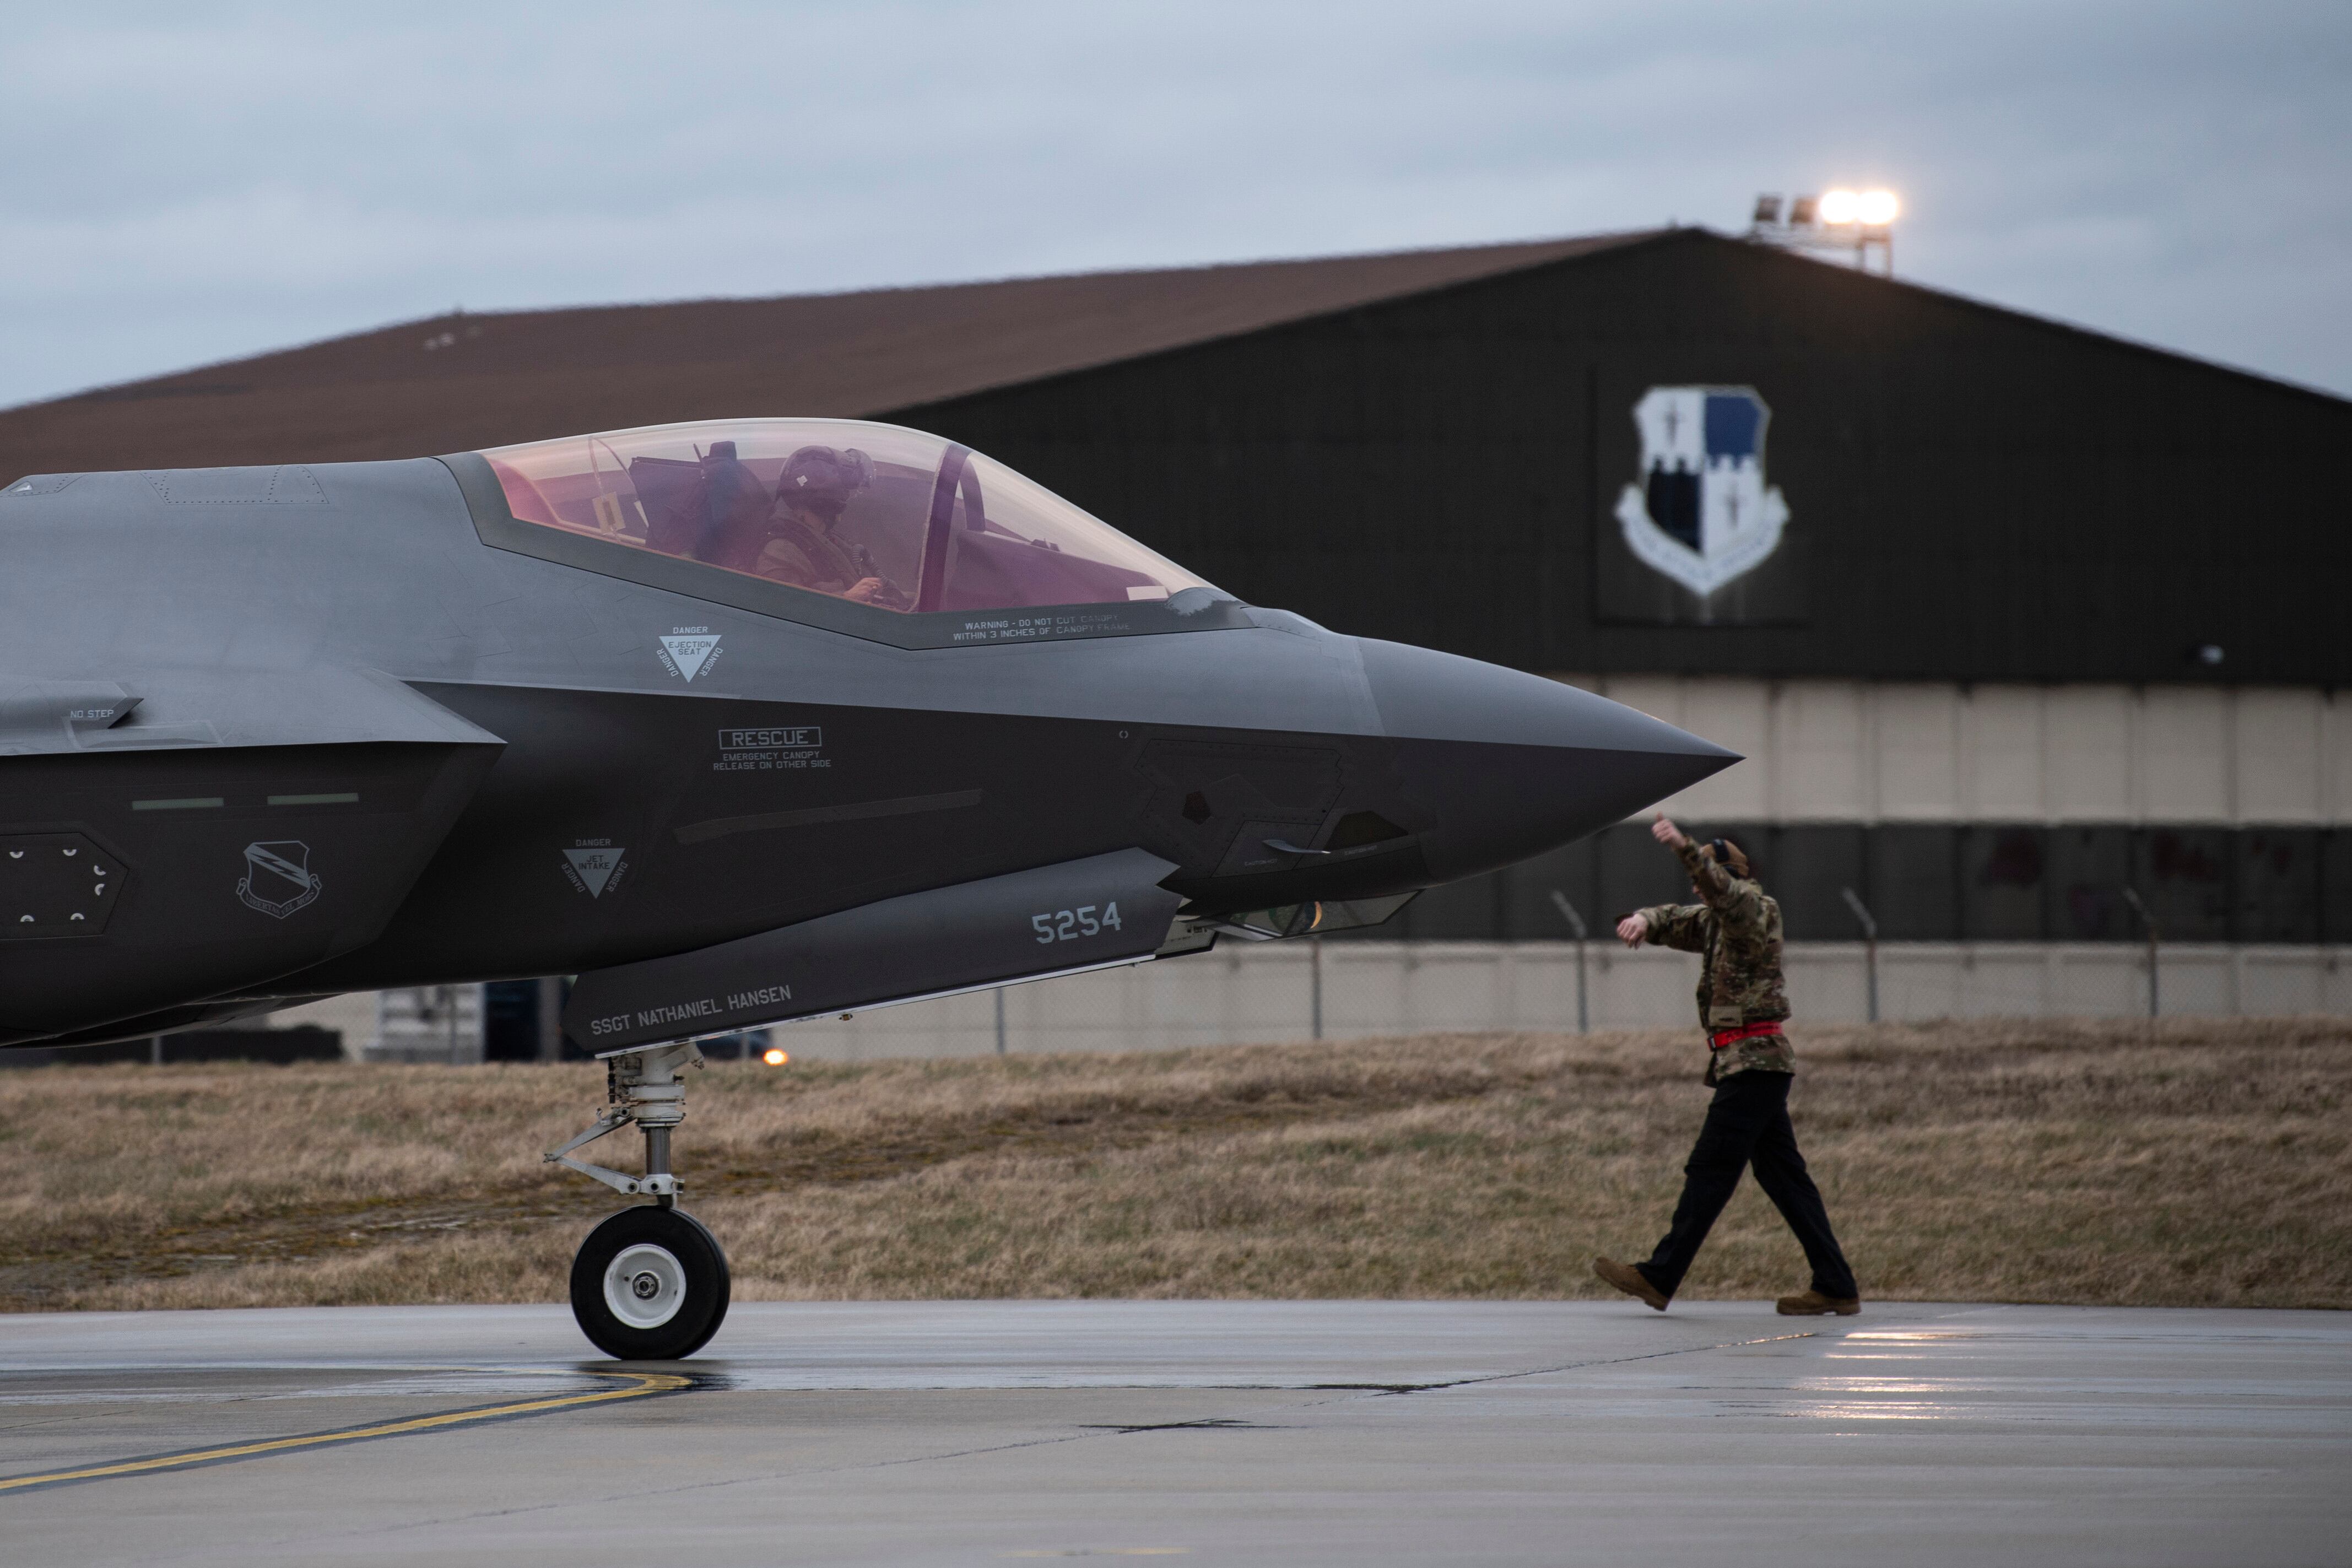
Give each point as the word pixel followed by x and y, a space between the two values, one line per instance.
pixel 595 868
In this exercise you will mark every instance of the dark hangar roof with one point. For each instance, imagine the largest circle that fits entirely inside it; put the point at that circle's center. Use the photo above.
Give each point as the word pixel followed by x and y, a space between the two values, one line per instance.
pixel 455 382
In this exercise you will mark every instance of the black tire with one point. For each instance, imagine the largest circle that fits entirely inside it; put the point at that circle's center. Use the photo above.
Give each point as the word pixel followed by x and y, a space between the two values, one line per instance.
pixel 649 1284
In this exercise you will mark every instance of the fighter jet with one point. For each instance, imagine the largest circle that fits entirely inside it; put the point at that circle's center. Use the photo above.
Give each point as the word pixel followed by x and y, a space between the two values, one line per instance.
pixel 739 722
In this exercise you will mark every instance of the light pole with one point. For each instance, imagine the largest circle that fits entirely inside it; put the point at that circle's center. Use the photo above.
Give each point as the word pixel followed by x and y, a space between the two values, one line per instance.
pixel 2148 924
pixel 1869 943
pixel 550 1018
pixel 1575 923
pixel 1315 963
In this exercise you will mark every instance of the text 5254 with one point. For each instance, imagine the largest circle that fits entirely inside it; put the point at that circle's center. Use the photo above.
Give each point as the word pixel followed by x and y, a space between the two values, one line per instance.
pixel 1068 925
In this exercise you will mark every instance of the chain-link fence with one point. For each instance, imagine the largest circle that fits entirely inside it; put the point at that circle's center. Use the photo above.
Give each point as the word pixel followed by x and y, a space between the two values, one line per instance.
pixel 1292 991
pixel 1302 989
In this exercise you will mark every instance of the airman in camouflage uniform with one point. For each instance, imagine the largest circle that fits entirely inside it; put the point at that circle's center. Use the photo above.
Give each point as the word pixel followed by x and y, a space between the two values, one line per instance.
pixel 1742 1003
pixel 1737 929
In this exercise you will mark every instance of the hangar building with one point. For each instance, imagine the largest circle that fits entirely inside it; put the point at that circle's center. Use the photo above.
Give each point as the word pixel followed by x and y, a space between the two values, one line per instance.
pixel 2029 633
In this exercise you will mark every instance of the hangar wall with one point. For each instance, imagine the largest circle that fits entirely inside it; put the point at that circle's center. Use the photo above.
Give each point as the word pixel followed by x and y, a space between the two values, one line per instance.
pixel 1987 812
pixel 1980 688
pixel 1859 750
pixel 1973 494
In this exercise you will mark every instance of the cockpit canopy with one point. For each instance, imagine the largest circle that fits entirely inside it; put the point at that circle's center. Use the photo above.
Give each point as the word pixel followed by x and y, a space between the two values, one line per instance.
pixel 873 514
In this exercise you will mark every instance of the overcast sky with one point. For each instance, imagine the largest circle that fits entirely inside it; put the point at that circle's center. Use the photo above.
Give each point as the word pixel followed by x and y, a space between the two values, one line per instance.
pixel 185 182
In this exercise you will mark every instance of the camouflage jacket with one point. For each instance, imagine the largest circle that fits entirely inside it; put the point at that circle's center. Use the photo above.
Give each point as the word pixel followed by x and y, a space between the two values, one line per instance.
pixel 1737 929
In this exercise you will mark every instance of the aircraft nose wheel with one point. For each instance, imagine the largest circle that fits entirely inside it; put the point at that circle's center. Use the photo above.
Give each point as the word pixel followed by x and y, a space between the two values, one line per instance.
pixel 649 1284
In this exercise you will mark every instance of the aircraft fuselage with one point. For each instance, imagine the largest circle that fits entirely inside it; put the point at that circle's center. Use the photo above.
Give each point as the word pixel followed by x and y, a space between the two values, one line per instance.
pixel 319 729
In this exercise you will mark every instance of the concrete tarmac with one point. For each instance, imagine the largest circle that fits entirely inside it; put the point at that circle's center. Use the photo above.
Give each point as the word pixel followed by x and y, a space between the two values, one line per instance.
pixel 1216 1431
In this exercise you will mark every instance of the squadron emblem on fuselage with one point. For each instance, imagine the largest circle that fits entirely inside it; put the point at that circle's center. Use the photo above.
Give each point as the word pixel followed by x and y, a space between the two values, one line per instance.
pixel 278 877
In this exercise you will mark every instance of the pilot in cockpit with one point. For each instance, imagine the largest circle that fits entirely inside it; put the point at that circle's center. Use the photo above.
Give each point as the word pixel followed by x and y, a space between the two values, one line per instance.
pixel 815 488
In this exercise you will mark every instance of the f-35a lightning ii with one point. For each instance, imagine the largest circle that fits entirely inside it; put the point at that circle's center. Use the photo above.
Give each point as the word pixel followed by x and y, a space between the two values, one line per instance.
pixel 737 722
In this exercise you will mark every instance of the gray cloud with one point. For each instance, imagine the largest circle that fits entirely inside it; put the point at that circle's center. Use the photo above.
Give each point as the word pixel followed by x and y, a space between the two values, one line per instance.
pixel 182 190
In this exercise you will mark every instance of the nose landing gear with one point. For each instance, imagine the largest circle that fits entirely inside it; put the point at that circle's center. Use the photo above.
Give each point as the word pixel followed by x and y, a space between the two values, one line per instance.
pixel 650 1283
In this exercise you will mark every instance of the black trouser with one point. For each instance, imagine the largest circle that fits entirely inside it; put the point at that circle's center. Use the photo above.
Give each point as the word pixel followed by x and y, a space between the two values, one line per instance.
pixel 1748 1124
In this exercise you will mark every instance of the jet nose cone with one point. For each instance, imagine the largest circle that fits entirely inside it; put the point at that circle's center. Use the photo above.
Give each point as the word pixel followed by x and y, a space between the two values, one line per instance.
pixel 1510 765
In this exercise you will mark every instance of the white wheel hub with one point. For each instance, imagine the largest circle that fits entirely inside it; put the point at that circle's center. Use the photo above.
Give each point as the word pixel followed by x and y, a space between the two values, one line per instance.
pixel 645 1286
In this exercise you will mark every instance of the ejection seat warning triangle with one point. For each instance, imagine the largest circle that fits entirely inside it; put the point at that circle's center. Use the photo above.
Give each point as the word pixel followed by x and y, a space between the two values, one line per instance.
pixel 593 868
pixel 688 652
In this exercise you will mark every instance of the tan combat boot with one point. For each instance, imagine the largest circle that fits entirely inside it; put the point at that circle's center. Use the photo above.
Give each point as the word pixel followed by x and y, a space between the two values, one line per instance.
pixel 1813 1304
pixel 1629 1279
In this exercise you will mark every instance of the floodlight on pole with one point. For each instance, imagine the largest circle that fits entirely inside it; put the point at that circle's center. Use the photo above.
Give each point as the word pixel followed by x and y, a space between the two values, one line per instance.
pixel 1838 219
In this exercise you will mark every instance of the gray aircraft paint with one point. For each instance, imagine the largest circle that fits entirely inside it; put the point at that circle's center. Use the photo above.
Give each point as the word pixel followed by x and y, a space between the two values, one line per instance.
pixel 1082 914
pixel 343 633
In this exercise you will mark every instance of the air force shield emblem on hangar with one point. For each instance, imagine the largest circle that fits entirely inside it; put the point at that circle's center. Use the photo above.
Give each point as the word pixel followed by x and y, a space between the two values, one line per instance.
pixel 1701 513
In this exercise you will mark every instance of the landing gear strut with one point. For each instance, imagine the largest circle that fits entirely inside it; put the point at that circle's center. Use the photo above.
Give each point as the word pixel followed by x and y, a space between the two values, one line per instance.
pixel 650 1283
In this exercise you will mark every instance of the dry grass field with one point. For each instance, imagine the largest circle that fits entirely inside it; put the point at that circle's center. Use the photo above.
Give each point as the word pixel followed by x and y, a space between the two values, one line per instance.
pixel 2204 1163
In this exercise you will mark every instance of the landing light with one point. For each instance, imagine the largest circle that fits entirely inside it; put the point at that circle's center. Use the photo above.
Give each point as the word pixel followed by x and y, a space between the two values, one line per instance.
pixel 774 1058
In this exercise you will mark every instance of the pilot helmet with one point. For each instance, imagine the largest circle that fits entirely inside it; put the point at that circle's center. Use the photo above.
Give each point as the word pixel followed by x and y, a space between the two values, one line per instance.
pixel 822 480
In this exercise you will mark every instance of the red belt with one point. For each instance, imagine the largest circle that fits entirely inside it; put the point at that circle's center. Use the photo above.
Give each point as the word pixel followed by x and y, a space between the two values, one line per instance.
pixel 1745 1031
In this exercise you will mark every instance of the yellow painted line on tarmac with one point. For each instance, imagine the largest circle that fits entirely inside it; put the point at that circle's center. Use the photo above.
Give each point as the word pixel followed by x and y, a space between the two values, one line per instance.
pixel 641 1383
